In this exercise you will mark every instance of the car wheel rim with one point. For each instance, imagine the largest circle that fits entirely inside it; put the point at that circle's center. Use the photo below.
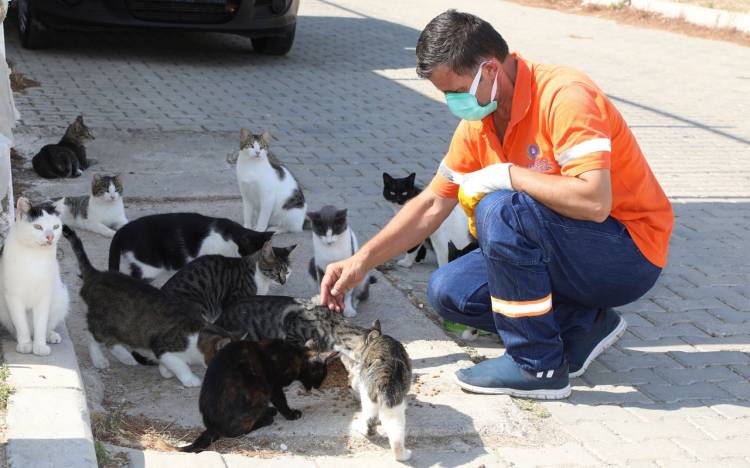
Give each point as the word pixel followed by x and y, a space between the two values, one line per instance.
pixel 23 16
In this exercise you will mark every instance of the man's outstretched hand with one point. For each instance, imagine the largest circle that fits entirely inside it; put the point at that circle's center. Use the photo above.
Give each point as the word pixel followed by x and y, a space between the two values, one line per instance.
pixel 340 277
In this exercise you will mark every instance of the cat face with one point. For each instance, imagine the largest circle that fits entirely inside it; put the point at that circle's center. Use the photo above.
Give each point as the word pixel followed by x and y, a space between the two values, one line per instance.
pixel 106 187
pixel 399 191
pixel 253 145
pixel 315 369
pixel 328 224
pixel 79 132
pixel 252 241
pixel 274 263
pixel 37 225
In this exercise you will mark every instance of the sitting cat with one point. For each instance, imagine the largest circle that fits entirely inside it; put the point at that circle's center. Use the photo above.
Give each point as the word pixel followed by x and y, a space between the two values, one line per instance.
pixel 333 240
pixel 102 211
pixel 271 197
pixel 244 377
pixel 155 244
pixel 293 320
pixel 66 158
pixel 454 229
pixel 380 374
pixel 30 278
pixel 126 315
pixel 213 281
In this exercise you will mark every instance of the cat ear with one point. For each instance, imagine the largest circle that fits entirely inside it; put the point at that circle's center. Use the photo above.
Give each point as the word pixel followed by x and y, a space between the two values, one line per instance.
pixel 268 234
pixel 311 345
pixel 96 178
pixel 290 248
pixel 267 250
pixel 220 343
pixel 376 325
pixel 328 356
pixel 245 137
pixel 411 177
pixel 79 120
pixel 266 137
pixel 23 206
pixel 341 213
pixel 371 335
pixel 313 215
pixel 387 177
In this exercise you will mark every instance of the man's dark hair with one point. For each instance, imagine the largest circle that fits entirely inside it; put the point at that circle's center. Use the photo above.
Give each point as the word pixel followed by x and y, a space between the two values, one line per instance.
pixel 458 41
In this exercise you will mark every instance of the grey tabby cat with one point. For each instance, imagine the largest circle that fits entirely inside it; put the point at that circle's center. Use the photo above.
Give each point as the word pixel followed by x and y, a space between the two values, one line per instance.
pixel 214 281
pixel 293 320
pixel 102 211
pixel 380 375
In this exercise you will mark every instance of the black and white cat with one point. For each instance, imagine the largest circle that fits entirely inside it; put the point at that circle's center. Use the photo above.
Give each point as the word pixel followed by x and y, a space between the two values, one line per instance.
pixel 30 278
pixel 67 158
pixel 126 315
pixel 155 244
pixel 380 376
pixel 271 197
pixel 454 229
pixel 102 211
pixel 334 240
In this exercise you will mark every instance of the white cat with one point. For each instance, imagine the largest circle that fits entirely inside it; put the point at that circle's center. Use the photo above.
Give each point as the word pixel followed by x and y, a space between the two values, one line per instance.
pixel 454 229
pixel 333 240
pixel 31 280
pixel 271 198
pixel 102 211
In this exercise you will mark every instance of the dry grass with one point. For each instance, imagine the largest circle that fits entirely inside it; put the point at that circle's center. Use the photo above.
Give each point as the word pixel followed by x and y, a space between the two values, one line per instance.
pixel 742 6
pixel 644 19
pixel 19 82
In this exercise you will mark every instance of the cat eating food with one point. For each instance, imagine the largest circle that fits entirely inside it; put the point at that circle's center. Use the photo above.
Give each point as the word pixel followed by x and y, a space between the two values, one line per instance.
pixel 380 375
pixel 67 158
pixel 102 211
pixel 334 240
pixel 126 315
pixel 398 191
pixel 244 377
pixel 213 281
pixel 161 243
pixel 30 278
pixel 271 197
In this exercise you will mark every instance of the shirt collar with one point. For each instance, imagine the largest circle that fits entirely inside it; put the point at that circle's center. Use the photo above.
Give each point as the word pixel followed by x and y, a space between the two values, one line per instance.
pixel 521 94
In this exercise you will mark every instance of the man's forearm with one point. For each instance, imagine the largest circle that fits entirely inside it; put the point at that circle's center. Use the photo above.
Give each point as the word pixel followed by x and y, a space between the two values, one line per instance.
pixel 586 197
pixel 419 218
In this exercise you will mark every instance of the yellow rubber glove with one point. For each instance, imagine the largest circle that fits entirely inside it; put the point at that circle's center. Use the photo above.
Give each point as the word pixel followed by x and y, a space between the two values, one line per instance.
pixel 475 185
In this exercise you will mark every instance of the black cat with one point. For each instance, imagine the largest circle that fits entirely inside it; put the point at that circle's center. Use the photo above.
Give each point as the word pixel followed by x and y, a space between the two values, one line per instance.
pixel 66 158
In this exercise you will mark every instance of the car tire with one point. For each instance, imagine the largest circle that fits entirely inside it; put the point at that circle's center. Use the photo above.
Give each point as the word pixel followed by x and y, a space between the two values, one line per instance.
pixel 31 32
pixel 274 45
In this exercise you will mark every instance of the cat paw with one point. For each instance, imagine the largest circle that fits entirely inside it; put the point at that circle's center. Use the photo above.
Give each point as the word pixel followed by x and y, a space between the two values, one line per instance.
pixel 24 348
pixel 361 426
pixel 53 337
pixel 293 414
pixel 470 334
pixel 404 262
pixel 166 373
pixel 191 381
pixel 100 362
pixel 402 455
pixel 41 349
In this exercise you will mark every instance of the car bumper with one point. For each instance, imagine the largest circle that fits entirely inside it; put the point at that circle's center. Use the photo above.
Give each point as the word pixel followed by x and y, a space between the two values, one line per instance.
pixel 255 18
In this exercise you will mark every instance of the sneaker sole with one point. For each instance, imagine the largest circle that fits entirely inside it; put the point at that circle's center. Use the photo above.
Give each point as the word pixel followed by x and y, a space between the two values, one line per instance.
pixel 608 341
pixel 543 394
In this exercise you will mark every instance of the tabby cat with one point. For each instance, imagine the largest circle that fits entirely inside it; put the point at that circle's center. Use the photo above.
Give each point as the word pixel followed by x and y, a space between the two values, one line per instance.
pixel 244 377
pixel 102 211
pixel 66 158
pixel 155 244
pixel 271 197
pixel 214 281
pixel 454 229
pixel 126 315
pixel 380 374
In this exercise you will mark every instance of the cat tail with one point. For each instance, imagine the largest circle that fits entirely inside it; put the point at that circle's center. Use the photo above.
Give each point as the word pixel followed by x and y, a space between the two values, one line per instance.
pixel 115 250
pixel 202 442
pixel 143 360
pixel 84 264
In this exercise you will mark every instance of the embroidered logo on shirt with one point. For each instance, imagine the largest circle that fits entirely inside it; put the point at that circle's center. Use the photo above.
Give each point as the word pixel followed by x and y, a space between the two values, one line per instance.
pixel 537 165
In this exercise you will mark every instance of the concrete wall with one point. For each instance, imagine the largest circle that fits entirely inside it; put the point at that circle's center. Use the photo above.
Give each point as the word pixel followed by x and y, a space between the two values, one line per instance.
pixel 8 117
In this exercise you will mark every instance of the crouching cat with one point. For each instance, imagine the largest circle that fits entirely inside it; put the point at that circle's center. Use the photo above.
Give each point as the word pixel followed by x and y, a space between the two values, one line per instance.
pixel 126 314
pixel 334 240
pixel 155 244
pixel 271 197
pixel 102 211
pixel 380 374
pixel 244 377
pixel 30 278
pixel 67 158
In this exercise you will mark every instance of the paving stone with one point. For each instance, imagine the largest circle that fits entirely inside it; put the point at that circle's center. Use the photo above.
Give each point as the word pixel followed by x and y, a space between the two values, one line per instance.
pixel 670 429
pixel 694 375
pixel 624 453
pixel 714 449
pixel 696 391
pixel 702 359
pixel 572 453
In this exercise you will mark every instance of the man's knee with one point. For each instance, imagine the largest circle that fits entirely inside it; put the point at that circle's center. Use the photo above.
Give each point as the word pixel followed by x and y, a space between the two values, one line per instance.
pixel 508 226
pixel 439 292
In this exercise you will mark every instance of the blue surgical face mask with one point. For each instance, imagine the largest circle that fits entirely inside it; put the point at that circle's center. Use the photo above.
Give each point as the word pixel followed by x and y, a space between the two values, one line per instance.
pixel 465 105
